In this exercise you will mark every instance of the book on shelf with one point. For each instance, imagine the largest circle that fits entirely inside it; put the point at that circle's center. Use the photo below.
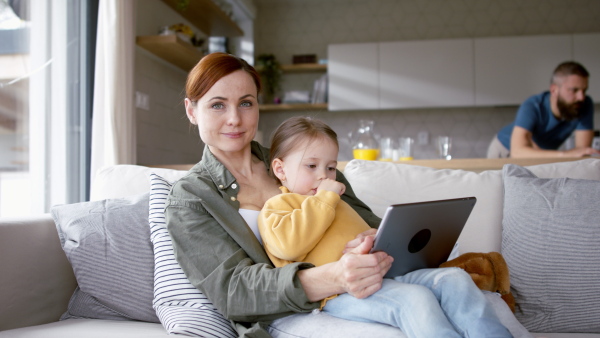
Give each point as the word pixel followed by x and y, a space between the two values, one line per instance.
pixel 319 94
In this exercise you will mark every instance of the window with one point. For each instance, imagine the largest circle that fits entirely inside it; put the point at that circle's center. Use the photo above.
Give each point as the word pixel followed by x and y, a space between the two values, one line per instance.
pixel 46 86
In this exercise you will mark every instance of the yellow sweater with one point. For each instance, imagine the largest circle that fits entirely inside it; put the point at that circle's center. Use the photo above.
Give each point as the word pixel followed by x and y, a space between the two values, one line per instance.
pixel 313 229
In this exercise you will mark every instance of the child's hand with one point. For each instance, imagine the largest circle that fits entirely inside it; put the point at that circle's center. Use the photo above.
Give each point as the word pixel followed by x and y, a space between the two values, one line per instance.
pixel 332 185
pixel 359 239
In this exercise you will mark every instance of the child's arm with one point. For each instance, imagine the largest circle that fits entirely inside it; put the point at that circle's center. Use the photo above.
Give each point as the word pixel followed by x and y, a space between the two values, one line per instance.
pixel 291 224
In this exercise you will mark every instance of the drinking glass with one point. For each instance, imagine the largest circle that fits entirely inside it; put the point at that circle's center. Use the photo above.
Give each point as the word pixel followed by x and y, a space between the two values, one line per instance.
pixel 444 146
pixel 405 148
pixel 387 149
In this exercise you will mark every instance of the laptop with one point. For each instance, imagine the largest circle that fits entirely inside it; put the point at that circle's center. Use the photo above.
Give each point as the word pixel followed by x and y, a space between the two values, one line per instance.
pixel 421 235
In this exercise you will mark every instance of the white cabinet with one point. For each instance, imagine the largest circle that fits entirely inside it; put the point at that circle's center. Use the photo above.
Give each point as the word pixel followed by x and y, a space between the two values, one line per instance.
pixel 433 73
pixel 353 76
pixel 510 69
pixel 586 50
pixel 454 72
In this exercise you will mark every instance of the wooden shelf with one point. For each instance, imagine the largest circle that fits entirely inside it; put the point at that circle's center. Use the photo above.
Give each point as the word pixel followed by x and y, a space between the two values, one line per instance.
pixel 304 68
pixel 301 68
pixel 292 106
pixel 297 68
pixel 208 17
pixel 172 49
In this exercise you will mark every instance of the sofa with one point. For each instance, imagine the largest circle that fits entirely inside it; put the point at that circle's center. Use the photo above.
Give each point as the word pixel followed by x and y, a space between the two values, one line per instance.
pixel 544 219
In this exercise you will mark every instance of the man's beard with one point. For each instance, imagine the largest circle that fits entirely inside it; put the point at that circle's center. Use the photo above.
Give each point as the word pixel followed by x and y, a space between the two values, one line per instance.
pixel 568 111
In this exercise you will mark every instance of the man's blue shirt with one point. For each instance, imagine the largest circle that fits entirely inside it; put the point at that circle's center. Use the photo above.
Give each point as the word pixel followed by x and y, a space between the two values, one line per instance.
pixel 548 132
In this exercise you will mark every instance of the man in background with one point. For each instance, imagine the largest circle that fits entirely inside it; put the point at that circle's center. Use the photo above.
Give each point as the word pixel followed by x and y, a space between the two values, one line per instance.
pixel 544 121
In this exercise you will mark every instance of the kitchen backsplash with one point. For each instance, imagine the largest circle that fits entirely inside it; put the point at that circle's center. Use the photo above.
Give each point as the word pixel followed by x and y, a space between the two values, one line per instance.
pixel 471 129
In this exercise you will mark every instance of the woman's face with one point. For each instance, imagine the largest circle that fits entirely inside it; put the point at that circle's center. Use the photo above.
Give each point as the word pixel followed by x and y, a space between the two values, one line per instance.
pixel 227 115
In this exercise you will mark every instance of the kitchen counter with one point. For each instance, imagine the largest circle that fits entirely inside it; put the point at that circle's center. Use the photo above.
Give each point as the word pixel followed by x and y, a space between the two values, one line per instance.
pixel 471 164
pixel 477 164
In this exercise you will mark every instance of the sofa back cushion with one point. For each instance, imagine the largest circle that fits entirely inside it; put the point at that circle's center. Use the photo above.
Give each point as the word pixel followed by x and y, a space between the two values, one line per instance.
pixel 380 184
pixel 36 279
pixel 125 180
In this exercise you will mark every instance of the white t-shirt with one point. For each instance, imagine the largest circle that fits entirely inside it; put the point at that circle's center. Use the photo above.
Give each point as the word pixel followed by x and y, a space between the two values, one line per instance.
pixel 251 218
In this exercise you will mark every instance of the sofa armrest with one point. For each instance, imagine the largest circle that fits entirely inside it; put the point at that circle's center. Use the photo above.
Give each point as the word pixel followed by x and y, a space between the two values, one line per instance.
pixel 36 278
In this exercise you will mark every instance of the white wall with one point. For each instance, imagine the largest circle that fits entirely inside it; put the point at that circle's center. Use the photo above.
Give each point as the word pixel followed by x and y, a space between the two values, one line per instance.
pixel 164 134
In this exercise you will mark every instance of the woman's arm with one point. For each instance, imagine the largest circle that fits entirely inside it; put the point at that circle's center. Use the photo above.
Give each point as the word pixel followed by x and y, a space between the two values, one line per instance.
pixel 226 262
pixel 357 273
pixel 231 268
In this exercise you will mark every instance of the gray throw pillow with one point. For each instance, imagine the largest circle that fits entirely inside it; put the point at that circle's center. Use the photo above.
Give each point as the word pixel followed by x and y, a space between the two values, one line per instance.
pixel 550 240
pixel 108 245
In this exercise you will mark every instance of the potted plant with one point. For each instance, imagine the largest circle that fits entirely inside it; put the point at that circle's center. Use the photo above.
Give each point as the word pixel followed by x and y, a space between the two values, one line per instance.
pixel 270 72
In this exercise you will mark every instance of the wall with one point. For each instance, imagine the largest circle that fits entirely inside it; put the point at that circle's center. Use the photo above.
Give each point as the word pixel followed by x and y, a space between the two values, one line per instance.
pixel 288 27
pixel 164 134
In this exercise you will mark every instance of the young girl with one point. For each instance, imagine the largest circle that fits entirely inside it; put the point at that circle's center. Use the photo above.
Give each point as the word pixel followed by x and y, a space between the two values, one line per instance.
pixel 308 222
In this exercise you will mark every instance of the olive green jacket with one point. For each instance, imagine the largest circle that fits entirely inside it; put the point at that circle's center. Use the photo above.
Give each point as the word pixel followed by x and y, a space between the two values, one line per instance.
pixel 222 257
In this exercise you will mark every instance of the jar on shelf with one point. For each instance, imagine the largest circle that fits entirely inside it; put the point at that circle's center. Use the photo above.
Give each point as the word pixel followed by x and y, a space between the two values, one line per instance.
pixel 365 146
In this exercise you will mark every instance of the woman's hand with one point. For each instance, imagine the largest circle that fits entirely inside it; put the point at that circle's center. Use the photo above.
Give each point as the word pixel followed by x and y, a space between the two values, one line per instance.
pixel 358 273
pixel 359 239
pixel 362 272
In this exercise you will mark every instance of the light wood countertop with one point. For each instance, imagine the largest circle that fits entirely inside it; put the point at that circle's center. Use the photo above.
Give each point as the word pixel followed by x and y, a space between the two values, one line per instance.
pixel 470 164
pixel 477 164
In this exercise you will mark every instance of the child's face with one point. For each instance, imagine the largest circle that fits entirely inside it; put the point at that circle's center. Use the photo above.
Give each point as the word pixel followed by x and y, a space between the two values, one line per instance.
pixel 307 165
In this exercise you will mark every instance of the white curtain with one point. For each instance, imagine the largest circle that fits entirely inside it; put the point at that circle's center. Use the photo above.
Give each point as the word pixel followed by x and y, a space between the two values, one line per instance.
pixel 113 123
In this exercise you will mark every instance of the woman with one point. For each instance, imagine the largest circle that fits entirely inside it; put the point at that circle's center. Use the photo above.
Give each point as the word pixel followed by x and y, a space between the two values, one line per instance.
pixel 219 252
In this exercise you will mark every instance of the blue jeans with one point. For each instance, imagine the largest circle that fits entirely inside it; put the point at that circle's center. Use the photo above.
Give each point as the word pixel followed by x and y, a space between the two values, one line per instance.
pixel 425 303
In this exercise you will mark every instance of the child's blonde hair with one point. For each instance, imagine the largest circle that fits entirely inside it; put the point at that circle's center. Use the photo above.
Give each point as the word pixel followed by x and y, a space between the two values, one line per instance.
pixel 293 131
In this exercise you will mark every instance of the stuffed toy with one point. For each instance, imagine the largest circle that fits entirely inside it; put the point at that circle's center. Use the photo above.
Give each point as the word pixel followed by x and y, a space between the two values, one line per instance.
pixel 489 272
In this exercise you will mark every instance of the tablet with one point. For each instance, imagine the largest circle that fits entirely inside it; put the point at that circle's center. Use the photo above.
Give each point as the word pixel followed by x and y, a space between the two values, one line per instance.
pixel 421 235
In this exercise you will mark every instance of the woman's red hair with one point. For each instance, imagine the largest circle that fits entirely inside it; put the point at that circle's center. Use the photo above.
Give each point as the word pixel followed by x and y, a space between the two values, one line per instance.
pixel 211 69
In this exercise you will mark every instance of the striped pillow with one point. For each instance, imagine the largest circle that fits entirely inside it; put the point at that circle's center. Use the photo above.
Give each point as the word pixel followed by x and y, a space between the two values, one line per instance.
pixel 108 245
pixel 550 242
pixel 181 308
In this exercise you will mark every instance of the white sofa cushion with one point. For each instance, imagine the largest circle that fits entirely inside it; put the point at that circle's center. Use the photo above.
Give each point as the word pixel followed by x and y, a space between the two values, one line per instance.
pixel 89 328
pixel 126 180
pixel 380 184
